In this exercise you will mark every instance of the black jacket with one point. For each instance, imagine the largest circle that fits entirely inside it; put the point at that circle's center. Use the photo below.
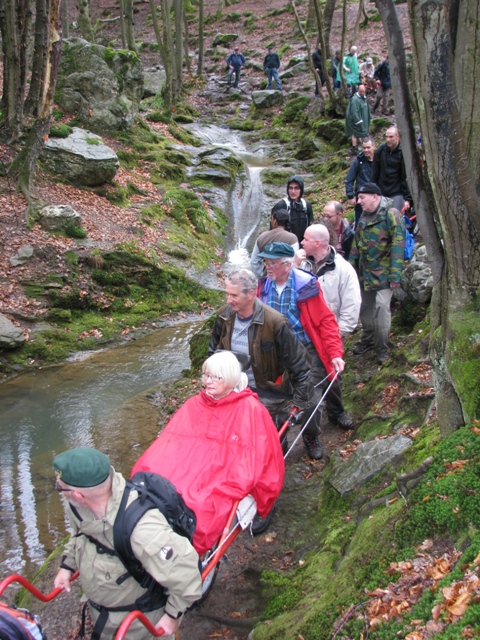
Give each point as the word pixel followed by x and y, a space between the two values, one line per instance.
pixel 271 61
pixel 382 73
pixel 317 63
pixel 359 173
pixel 388 172
pixel 300 210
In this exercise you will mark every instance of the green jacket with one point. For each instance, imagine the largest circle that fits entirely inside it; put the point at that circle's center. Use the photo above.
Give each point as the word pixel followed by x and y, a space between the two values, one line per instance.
pixel 378 247
pixel 168 557
pixel 357 117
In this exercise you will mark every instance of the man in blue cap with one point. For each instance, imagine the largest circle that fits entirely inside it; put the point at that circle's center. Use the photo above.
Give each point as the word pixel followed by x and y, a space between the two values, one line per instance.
pixel 93 492
pixel 297 295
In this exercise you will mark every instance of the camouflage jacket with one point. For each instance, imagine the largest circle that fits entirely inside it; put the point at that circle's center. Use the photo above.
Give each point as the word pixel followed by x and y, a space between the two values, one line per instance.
pixel 377 251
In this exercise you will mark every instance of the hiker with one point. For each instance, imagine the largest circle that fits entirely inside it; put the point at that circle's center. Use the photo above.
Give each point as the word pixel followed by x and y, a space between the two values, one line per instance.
pixel 93 490
pixel 341 290
pixel 220 446
pixel 279 232
pixel 317 63
pixel 299 210
pixel 357 117
pixel 383 85
pixel 358 174
pixel 388 171
pixel 378 257
pixel 279 370
pixel 271 65
pixel 333 212
pixel 235 61
pixel 351 70
pixel 298 296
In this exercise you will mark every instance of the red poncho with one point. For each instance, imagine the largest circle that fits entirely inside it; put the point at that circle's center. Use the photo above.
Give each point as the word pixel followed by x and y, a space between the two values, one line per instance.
pixel 216 452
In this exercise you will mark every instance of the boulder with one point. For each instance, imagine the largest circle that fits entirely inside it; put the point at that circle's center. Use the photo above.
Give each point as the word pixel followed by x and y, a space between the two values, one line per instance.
pixel 224 39
pixel 153 81
pixel 82 158
pixel 10 335
pixel 297 69
pixel 266 99
pixel 102 87
pixel 368 459
pixel 59 217
pixel 417 278
pixel 308 148
pixel 23 255
pixel 294 60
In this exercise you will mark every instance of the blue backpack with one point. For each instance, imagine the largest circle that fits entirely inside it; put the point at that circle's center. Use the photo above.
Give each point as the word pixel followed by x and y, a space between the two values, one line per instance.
pixel 409 238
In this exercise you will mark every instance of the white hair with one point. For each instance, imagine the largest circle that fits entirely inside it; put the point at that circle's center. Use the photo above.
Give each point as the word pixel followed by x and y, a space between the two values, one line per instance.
pixel 225 365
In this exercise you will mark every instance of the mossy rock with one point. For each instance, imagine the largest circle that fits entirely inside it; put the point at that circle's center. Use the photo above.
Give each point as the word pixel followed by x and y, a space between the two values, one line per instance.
pixel 276 176
pixel 60 131
pixel 332 131
pixel 185 207
pixel 379 125
pixel 183 118
pixel 224 39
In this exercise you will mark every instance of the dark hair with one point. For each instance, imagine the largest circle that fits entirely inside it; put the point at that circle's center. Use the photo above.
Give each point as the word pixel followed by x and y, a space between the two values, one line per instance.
pixel 282 217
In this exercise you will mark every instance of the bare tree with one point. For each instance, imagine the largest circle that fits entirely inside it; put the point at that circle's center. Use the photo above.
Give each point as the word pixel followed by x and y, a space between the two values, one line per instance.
pixel 32 102
pixel 129 26
pixel 307 43
pixel 358 22
pixel 201 39
pixel 328 11
pixel 445 194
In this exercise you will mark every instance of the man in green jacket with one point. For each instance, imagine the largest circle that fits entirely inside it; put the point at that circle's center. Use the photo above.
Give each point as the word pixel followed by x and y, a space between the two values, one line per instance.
pixel 93 492
pixel 378 256
pixel 357 117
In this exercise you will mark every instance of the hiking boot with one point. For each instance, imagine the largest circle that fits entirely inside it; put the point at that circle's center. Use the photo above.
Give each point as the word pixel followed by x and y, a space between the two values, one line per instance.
pixel 313 446
pixel 361 347
pixel 382 357
pixel 259 524
pixel 344 421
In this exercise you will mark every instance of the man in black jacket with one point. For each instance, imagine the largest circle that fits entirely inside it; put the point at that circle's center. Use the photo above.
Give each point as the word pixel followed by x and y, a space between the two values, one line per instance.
pixel 299 210
pixel 384 85
pixel 317 63
pixel 271 65
pixel 359 173
pixel 388 170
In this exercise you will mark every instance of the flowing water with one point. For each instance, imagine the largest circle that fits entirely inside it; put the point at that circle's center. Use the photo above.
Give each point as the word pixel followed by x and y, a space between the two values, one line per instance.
pixel 100 402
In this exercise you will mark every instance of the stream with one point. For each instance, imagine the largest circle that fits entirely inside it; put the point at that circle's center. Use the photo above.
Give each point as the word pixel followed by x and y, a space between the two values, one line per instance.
pixel 100 401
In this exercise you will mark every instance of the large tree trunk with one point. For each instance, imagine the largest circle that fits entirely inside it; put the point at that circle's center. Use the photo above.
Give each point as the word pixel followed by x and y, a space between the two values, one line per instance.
pixel 129 26
pixel 445 196
pixel 84 22
pixel 12 100
pixel 165 52
pixel 323 48
pixel 39 58
pixel 328 12
pixel 201 39
pixel 123 31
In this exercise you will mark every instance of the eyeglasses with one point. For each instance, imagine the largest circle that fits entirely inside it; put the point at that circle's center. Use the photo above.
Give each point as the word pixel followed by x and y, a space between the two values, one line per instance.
pixel 61 489
pixel 206 376
pixel 269 262
pixel 327 217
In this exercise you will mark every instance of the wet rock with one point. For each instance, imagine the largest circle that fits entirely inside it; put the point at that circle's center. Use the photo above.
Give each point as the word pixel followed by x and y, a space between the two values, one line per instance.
pixel 101 86
pixel 369 458
pixel 153 81
pixel 59 217
pixel 224 39
pixel 417 278
pixel 309 148
pixel 82 158
pixel 10 335
pixel 297 69
pixel 23 255
pixel 267 99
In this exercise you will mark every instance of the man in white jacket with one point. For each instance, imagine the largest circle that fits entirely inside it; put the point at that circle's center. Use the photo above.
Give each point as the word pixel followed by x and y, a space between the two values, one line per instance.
pixel 341 290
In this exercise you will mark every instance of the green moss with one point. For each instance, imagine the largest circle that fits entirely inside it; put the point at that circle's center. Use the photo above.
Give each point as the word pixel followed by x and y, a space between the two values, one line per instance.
pixel 184 136
pixel 92 141
pixel 128 159
pixel 276 176
pixel 159 116
pixel 232 17
pixel 185 207
pixel 60 131
pixel 72 231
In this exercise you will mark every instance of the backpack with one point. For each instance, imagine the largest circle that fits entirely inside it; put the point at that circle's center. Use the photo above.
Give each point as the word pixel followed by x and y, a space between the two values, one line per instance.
pixel 19 624
pixel 409 238
pixel 154 492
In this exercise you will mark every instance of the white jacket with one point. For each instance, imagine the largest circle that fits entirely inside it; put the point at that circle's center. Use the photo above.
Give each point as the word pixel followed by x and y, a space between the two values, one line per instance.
pixel 341 290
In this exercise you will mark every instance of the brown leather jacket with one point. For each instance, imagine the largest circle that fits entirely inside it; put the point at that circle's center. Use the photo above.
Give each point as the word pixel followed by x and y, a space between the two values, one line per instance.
pixel 274 350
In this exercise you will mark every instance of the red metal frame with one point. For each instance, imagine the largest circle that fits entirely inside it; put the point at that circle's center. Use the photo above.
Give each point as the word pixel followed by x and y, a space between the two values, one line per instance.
pixel 137 615
pixel 29 587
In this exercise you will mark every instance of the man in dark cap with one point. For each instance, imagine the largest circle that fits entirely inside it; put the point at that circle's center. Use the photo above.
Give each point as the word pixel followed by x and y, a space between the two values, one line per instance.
pixel 279 232
pixel 271 65
pixel 299 210
pixel 93 492
pixel 378 256
pixel 297 295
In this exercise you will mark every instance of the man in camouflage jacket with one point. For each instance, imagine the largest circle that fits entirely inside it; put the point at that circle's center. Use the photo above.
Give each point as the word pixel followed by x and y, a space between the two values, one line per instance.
pixel 377 255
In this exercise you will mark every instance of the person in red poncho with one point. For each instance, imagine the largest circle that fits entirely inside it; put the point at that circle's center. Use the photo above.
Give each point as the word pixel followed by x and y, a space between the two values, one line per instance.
pixel 220 446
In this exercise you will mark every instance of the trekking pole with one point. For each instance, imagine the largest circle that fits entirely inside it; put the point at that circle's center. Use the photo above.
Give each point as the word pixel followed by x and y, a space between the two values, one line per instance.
pixel 313 412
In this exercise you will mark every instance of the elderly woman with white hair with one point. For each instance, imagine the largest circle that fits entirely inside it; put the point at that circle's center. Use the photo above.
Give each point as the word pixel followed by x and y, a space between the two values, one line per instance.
pixel 220 446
